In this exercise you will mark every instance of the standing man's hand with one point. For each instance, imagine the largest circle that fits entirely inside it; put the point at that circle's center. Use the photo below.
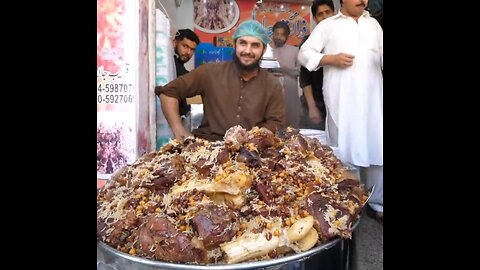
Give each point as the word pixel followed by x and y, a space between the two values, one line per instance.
pixel 343 60
pixel 313 111
pixel 315 115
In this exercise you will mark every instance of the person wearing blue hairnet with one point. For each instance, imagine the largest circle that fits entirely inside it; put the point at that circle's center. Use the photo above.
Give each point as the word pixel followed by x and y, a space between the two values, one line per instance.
pixel 236 92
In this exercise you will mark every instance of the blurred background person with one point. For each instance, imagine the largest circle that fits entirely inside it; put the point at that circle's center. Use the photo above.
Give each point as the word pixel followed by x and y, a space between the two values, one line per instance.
pixel 184 46
pixel 375 7
pixel 287 57
pixel 312 82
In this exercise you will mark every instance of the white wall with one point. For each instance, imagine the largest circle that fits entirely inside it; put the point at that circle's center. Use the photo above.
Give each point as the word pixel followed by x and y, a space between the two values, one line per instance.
pixel 336 5
pixel 180 17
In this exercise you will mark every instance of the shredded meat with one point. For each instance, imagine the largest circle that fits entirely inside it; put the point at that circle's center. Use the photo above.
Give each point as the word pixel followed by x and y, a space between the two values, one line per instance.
pixel 190 199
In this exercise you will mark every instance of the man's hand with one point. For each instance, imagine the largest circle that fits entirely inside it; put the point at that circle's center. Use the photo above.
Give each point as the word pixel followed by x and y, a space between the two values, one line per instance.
pixel 315 115
pixel 172 114
pixel 313 111
pixel 343 60
pixel 180 132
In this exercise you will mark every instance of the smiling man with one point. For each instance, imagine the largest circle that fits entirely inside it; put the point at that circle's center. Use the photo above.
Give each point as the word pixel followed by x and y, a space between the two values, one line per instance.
pixel 233 93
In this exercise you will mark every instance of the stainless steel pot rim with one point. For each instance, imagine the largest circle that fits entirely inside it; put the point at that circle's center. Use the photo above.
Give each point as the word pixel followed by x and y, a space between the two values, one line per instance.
pixel 247 265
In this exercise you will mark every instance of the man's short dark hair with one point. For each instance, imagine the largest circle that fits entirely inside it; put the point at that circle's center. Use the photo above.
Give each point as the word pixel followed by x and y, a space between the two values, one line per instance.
pixel 282 24
pixel 188 34
pixel 318 3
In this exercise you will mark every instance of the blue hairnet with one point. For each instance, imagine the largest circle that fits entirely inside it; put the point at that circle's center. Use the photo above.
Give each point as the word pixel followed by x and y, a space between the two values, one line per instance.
pixel 252 28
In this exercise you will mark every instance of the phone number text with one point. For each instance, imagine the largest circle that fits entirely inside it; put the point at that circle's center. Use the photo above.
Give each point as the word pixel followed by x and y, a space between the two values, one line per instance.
pixel 117 98
pixel 115 88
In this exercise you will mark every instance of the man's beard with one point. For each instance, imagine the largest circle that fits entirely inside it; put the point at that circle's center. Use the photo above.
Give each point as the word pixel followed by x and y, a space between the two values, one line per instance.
pixel 252 66
pixel 279 43
pixel 179 57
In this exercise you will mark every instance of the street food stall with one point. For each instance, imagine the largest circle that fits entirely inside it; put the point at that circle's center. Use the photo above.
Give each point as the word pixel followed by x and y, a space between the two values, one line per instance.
pixel 255 200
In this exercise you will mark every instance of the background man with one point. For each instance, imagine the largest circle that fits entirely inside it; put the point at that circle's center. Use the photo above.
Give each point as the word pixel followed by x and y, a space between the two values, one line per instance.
pixel 287 57
pixel 350 47
pixel 184 45
pixel 312 82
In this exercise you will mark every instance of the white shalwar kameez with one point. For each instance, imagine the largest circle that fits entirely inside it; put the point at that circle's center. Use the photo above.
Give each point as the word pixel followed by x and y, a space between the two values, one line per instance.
pixel 353 95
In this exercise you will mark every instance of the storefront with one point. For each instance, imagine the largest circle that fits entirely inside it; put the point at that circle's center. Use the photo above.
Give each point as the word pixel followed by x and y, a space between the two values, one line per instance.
pixel 134 54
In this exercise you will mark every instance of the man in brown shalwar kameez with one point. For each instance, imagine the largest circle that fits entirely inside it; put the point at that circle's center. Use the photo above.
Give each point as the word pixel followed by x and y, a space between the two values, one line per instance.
pixel 233 93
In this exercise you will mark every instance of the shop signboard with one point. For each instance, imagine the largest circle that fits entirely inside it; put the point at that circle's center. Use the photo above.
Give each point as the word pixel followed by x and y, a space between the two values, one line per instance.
pixel 117 91
pixel 217 19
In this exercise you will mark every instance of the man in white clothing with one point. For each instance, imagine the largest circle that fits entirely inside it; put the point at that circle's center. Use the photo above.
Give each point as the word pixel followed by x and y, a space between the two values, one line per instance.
pixel 349 45
pixel 287 57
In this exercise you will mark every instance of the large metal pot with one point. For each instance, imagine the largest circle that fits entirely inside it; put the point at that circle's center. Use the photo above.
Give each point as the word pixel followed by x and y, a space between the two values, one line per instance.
pixel 336 254
pixel 112 259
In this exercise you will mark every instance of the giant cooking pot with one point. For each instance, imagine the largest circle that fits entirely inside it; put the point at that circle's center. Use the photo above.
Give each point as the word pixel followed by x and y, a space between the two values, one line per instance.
pixel 336 254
